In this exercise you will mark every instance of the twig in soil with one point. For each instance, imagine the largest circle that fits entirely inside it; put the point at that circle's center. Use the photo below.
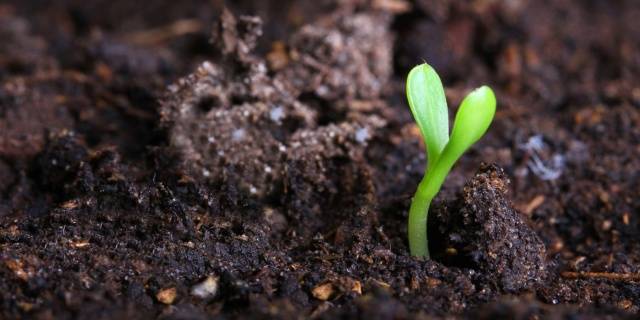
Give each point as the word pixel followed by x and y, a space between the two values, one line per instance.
pixel 159 35
pixel 601 275
pixel 533 204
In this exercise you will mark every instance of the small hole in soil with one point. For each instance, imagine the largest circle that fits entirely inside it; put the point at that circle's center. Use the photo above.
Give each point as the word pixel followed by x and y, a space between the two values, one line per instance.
pixel 237 100
pixel 441 247
pixel 287 127
pixel 330 116
pixel 327 114
pixel 207 103
pixel 237 228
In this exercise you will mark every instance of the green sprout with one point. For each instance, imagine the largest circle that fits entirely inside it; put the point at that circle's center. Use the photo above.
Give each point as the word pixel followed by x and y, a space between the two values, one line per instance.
pixel 429 108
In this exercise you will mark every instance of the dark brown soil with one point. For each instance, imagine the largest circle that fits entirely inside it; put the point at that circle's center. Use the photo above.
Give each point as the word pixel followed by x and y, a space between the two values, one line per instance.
pixel 181 160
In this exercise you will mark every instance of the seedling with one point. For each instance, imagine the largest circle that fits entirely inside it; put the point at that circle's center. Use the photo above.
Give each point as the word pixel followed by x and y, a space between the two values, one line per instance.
pixel 429 108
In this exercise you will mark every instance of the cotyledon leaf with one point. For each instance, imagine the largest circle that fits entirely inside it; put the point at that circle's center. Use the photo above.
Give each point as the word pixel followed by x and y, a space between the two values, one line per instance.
pixel 428 105
pixel 472 120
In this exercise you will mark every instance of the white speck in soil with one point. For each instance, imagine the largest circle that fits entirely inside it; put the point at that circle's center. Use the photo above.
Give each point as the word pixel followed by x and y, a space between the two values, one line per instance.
pixel 362 135
pixel 276 114
pixel 206 289
pixel 322 90
pixel 550 171
pixel 238 135
pixel 546 169
pixel 208 67
pixel 535 143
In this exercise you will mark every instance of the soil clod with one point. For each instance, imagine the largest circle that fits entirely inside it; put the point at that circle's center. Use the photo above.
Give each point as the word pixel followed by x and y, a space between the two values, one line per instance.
pixel 487 233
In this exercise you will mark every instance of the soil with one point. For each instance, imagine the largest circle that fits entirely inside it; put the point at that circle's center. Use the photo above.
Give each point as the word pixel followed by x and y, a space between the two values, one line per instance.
pixel 187 160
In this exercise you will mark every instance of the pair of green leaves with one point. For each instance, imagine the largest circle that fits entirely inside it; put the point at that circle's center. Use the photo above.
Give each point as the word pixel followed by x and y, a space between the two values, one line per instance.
pixel 429 108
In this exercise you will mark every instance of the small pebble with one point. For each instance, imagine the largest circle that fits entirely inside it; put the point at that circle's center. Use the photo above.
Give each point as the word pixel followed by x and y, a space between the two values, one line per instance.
pixel 207 288
pixel 167 296
pixel 323 292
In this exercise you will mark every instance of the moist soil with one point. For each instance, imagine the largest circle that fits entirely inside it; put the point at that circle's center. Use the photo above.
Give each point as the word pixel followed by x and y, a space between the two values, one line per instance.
pixel 191 160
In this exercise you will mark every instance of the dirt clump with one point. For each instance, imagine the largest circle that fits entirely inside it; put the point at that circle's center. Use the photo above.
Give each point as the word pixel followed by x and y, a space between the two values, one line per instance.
pixel 233 123
pixel 341 58
pixel 484 231
pixel 229 122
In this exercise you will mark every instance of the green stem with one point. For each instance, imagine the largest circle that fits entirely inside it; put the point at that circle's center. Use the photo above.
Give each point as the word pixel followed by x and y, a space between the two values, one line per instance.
pixel 418 242
pixel 427 190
